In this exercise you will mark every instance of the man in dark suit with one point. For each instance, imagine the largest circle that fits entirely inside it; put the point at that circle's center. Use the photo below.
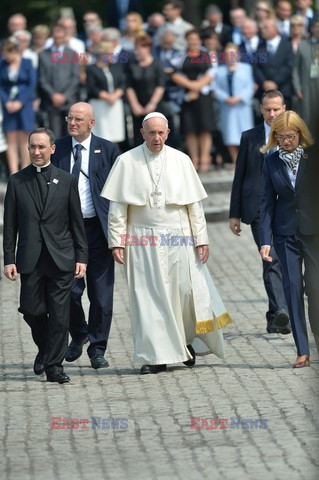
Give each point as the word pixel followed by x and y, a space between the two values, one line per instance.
pixel 59 80
pixel 214 21
pixel 251 40
pixel 276 71
pixel 245 205
pixel 90 158
pixel 42 207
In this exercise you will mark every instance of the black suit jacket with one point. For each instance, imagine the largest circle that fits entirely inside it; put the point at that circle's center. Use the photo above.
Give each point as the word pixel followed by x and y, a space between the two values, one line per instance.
pixel 226 35
pixel 285 209
pixel 59 225
pixel 277 68
pixel 101 159
pixel 250 58
pixel 246 189
pixel 96 80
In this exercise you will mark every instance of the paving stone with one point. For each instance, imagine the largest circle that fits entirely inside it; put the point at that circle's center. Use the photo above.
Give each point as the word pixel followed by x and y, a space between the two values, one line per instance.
pixel 255 381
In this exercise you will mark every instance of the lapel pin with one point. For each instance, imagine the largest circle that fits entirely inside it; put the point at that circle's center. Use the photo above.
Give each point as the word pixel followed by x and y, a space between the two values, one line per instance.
pixel 97 151
pixel 55 180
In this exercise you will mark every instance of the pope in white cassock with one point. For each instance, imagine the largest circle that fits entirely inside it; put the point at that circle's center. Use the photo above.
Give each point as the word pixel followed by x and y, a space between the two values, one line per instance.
pixel 157 229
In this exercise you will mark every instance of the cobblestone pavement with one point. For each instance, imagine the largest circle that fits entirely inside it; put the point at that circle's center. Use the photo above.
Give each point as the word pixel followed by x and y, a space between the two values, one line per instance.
pixel 255 381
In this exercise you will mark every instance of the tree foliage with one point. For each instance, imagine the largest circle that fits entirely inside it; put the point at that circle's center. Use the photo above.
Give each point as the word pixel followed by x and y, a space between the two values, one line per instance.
pixel 47 12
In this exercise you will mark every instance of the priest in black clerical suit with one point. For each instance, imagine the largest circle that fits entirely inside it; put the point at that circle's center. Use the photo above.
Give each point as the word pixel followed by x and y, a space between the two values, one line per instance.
pixel 42 208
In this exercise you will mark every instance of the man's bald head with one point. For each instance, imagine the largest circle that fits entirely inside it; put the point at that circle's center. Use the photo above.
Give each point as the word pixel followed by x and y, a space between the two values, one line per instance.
pixel 17 22
pixel 249 28
pixel 81 121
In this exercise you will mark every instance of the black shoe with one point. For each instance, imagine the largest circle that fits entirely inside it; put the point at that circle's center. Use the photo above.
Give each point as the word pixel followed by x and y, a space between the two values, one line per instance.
pixel 38 367
pixel 271 329
pixel 59 377
pixel 152 369
pixel 192 361
pixel 281 321
pixel 98 361
pixel 74 350
pixel 284 331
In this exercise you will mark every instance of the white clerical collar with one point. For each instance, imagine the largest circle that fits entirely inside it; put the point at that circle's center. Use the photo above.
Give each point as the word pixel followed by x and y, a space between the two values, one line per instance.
pixel 152 154
pixel 85 144
pixel 39 169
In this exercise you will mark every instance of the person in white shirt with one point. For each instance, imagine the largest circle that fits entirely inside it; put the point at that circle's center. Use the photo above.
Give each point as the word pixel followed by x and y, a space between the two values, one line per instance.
pixel 172 11
pixel 245 205
pixel 237 17
pixel 69 26
pixel 251 39
pixel 23 38
pixel 283 12
pixel 306 12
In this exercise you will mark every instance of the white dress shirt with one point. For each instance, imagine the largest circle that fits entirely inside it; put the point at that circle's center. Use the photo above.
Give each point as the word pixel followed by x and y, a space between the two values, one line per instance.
pixel 272 44
pixel 87 205
pixel 284 27
pixel 267 131
pixel 252 44
pixel 75 44
pixel 291 176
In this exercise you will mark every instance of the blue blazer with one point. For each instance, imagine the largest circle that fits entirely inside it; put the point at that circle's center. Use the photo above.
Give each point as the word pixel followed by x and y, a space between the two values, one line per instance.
pixel 26 84
pixel 101 159
pixel 283 208
pixel 242 83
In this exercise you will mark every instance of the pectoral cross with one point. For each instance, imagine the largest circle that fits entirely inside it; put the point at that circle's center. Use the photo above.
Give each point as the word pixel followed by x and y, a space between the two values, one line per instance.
pixel 156 194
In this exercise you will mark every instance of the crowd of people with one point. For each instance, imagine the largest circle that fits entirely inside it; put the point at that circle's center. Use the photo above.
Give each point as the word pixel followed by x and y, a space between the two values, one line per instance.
pixel 81 204
pixel 207 81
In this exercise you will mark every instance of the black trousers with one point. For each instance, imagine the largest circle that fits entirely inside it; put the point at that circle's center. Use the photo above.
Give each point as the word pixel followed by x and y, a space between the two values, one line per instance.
pixel 272 277
pixel 100 284
pixel 45 303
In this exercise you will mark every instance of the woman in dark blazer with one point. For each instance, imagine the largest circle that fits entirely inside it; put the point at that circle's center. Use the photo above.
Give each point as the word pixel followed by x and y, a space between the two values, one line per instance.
pixel 17 92
pixel 289 214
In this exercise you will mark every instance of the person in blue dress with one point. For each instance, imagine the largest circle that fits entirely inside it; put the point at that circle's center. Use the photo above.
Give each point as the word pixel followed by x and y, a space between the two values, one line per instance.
pixel 17 92
pixel 234 91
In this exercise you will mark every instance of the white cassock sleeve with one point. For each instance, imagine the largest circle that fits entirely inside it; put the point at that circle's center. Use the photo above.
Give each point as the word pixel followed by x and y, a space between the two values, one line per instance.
pixel 117 224
pixel 198 223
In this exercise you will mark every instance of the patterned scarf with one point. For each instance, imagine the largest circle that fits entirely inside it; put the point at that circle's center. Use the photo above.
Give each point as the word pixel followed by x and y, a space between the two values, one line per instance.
pixel 291 159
